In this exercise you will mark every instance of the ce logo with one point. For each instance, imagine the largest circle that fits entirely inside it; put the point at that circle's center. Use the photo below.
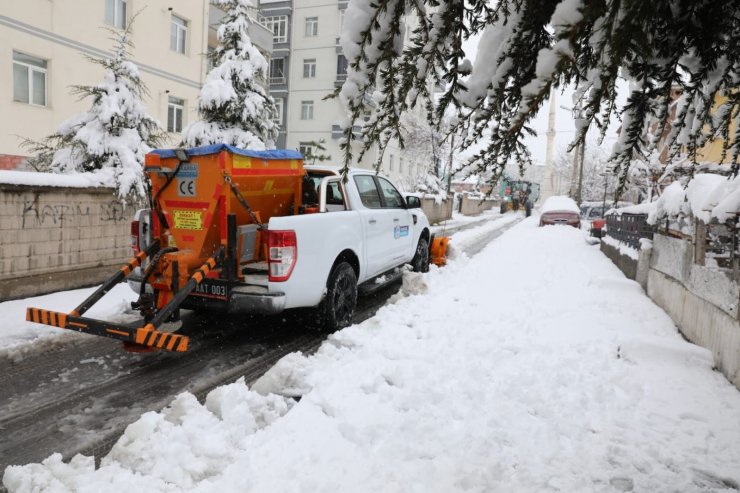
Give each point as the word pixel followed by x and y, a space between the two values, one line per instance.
pixel 187 187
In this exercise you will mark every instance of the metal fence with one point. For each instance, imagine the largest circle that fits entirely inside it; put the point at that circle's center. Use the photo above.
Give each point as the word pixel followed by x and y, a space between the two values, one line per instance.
pixel 629 228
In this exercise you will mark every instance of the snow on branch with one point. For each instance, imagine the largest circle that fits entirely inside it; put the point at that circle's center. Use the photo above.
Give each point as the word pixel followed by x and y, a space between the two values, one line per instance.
pixel 528 48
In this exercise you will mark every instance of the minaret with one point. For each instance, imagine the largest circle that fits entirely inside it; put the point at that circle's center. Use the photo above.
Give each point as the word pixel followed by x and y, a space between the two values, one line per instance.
pixel 546 188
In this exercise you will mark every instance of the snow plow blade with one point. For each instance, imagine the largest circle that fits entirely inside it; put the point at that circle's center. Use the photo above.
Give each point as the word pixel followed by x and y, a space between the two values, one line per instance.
pixel 438 250
pixel 145 336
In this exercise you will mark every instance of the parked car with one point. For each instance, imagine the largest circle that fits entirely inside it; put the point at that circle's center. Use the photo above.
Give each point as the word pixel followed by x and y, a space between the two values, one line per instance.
pixel 560 210
pixel 593 216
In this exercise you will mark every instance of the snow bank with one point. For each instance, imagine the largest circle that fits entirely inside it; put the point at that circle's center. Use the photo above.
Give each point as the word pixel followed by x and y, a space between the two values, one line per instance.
pixel 72 180
pixel 707 197
pixel 17 337
pixel 534 366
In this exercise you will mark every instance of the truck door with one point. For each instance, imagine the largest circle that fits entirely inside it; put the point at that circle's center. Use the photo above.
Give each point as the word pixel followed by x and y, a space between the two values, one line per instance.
pixel 398 241
pixel 375 221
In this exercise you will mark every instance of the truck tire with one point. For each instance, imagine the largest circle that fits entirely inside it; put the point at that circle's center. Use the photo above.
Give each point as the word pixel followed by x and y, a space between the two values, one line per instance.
pixel 338 306
pixel 528 209
pixel 503 207
pixel 420 262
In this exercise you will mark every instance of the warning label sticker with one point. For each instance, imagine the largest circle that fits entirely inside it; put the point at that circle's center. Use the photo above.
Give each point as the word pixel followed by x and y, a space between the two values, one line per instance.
pixel 188 219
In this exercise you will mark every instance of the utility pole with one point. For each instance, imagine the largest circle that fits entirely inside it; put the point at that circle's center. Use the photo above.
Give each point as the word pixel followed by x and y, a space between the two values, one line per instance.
pixel 581 150
pixel 574 174
pixel 576 181
pixel 449 163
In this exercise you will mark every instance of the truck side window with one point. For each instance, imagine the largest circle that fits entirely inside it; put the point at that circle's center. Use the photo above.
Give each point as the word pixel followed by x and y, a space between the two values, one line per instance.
pixel 393 199
pixel 334 194
pixel 368 191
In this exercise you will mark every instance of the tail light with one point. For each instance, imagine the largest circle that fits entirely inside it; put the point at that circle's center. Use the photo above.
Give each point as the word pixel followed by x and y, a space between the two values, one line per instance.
pixel 135 237
pixel 282 253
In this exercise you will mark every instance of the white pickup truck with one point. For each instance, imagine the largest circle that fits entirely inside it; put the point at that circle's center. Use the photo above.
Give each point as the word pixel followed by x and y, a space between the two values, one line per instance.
pixel 363 232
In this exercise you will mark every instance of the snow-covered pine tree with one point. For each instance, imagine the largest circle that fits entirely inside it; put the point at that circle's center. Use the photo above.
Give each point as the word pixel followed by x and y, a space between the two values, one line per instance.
pixel 528 47
pixel 234 108
pixel 112 137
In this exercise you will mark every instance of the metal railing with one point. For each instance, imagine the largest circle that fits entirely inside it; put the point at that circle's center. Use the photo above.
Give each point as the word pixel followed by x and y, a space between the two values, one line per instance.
pixel 629 228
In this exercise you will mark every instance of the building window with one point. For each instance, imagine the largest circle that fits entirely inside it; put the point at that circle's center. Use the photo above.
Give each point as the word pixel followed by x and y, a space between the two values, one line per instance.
pixel 175 111
pixel 279 27
pixel 306 110
pixel 306 148
pixel 115 13
pixel 312 26
pixel 277 71
pixel 341 21
pixel 400 165
pixel 390 162
pixel 29 79
pixel 342 65
pixel 279 111
pixel 309 68
pixel 178 34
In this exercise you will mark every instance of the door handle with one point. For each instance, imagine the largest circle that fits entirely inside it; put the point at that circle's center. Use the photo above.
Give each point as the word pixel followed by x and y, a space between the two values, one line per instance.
pixel 395 219
pixel 372 221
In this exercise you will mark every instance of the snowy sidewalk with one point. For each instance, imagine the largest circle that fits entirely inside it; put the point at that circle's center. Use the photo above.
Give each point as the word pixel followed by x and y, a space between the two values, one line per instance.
pixel 535 366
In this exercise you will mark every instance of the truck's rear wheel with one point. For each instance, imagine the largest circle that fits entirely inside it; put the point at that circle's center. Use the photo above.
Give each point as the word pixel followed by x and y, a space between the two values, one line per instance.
pixel 338 306
pixel 420 262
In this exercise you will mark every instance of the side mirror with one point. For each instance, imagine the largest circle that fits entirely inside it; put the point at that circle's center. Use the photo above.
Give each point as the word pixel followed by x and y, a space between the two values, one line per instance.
pixel 413 202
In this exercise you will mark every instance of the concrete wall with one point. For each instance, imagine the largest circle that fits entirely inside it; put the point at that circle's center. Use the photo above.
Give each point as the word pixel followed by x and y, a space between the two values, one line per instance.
pixel 59 238
pixel 703 302
pixel 625 263
pixel 474 206
pixel 700 322
pixel 435 211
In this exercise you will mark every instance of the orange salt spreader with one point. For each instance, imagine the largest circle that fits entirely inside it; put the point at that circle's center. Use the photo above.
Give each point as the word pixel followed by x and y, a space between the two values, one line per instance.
pixel 208 208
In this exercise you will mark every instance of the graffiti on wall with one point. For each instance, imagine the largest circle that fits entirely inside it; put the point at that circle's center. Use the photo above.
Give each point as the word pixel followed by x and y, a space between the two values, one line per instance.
pixel 70 214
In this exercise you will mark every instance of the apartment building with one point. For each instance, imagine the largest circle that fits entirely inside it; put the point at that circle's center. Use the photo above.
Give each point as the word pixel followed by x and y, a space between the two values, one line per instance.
pixel 307 65
pixel 43 45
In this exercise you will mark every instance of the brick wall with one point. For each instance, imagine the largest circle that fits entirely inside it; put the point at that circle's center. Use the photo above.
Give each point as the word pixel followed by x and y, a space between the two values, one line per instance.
pixel 10 161
pixel 59 238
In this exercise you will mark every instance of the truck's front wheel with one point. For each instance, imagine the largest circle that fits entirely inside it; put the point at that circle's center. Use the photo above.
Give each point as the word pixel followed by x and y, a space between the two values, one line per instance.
pixel 338 306
pixel 420 262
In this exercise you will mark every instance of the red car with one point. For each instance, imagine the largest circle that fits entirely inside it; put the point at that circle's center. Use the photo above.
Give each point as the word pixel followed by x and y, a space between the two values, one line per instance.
pixel 560 210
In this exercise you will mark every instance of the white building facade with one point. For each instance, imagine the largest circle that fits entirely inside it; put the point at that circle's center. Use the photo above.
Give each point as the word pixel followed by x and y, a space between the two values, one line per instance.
pixel 307 65
pixel 43 45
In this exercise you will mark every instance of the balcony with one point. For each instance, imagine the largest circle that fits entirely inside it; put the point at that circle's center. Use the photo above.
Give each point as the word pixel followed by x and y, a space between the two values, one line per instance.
pixel 336 132
pixel 340 79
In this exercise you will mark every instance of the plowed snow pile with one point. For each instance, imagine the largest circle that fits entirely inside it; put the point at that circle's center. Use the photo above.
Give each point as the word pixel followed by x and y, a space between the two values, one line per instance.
pixel 535 366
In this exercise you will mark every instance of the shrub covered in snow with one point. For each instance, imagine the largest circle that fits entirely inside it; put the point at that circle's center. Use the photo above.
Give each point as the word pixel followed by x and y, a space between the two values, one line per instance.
pixel 234 108
pixel 112 137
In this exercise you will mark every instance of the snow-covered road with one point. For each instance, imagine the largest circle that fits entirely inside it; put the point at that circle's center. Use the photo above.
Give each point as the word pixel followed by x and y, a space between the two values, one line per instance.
pixel 534 366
